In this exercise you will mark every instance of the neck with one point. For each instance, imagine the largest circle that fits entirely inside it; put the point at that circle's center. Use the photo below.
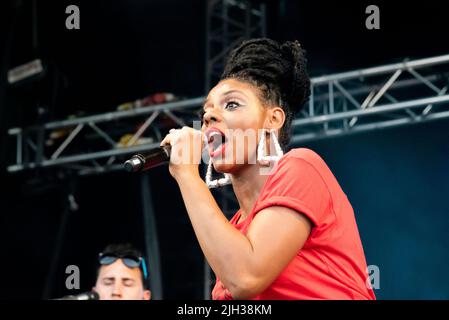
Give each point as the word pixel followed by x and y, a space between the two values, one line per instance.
pixel 247 184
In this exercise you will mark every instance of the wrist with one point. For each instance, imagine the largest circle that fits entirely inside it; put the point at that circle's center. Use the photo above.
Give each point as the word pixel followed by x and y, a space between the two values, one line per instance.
pixel 186 175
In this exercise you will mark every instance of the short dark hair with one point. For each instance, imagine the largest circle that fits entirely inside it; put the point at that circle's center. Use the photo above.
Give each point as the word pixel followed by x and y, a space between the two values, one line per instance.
pixel 123 249
pixel 278 70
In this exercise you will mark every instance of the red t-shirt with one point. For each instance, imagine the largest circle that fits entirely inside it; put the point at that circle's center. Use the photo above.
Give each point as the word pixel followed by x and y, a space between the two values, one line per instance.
pixel 331 264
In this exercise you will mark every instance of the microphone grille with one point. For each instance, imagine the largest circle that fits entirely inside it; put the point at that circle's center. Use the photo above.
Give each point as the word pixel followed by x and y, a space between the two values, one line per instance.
pixel 135 163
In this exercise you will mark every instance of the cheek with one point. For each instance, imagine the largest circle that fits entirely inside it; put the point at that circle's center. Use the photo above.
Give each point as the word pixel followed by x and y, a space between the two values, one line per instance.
pixel 243 127
pixel 103 291
pixel 245 142
pixel 240 149
pixel 133 292
pixel 246 135
pixel 245 119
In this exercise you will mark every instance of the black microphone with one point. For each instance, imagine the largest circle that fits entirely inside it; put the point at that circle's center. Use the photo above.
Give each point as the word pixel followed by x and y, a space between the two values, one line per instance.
pixel 90 295
pixel 153 158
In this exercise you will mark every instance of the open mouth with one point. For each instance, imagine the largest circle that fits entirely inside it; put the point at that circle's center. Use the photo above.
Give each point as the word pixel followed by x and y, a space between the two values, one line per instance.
pixel 216 142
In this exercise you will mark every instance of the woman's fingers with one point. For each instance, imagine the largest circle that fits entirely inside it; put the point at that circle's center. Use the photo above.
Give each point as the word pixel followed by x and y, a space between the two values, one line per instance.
pixel 168 138
pixel 186 151
pixel 172 137
pixel 189 139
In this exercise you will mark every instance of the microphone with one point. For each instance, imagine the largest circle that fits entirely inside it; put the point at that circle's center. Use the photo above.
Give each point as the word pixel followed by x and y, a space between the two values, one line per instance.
pixel 90 295
pixel 153 158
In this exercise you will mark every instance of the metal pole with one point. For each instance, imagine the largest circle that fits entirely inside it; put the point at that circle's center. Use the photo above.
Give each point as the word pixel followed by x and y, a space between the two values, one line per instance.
pixel 151 240
pixel 59 241
pixel 207 280
pixel 376 110
pixel 427 62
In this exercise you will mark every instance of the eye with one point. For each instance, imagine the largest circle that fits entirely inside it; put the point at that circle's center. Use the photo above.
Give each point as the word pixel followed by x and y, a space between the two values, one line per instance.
pixel 128 283
pixel 232 105
pixel 107 282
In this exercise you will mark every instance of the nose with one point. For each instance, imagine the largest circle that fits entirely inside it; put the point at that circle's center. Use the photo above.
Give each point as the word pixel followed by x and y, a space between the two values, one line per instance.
pixel 117 291
pixel 210 116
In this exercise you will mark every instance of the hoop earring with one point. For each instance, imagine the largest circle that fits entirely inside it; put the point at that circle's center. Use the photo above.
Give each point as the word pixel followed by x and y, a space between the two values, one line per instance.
pixel 217 182
pixel 262 157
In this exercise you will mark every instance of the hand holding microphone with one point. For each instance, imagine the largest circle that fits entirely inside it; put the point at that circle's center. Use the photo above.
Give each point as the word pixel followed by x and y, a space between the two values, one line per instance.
pixel 181 147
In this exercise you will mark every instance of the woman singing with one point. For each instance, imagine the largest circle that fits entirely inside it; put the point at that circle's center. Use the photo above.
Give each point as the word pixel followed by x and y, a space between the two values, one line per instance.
pixel 295 235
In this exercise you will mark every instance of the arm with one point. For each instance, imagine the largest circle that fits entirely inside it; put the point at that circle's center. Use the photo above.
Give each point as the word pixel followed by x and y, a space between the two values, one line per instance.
pixel 245 264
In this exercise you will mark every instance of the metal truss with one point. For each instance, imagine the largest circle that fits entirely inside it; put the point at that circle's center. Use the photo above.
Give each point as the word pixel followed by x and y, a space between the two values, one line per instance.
pixel 228 22
pixel 31 151
pixel 375 98
pixel 345 103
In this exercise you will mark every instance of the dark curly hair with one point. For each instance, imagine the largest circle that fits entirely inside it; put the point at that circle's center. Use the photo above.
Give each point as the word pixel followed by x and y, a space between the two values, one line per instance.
pixel 278 70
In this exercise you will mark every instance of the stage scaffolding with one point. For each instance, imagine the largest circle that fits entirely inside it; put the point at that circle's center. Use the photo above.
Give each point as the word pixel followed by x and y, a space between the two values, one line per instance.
pixel 340 104
pixel 228 22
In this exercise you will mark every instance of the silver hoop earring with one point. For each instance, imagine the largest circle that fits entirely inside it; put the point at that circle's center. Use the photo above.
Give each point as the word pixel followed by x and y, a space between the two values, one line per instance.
pixel 262 156
pixel 217 182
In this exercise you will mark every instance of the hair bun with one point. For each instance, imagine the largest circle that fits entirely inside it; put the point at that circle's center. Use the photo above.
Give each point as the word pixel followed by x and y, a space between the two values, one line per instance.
pixel 299 83
pixel 279 66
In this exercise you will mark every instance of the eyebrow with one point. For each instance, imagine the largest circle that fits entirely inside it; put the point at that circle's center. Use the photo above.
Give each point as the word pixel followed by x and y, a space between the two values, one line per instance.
pixel 126 279
pixel 227 93
pixel 108 278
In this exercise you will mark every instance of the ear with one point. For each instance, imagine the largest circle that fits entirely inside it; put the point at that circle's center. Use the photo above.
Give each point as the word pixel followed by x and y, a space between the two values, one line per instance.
pixel 275 118
pixel 147 295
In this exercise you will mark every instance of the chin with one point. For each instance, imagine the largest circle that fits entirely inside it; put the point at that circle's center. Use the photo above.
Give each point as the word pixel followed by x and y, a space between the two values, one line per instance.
pixel 222 166
pixel 230 163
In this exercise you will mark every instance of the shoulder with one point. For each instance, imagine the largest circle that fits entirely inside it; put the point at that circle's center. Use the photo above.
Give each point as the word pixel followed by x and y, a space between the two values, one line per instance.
pixel 301 159
pixel 304 154
pixel 299 184
pixel 299 165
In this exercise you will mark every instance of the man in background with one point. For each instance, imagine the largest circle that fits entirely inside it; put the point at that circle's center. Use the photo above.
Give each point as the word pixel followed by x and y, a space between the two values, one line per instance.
pixel 122 274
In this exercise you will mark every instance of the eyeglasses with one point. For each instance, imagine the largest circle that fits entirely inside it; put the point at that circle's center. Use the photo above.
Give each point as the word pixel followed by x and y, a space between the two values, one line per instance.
pixel 131 261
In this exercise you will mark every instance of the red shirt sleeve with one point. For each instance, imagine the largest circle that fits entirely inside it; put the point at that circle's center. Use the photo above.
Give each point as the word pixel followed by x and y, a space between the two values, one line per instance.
pixel 296 184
